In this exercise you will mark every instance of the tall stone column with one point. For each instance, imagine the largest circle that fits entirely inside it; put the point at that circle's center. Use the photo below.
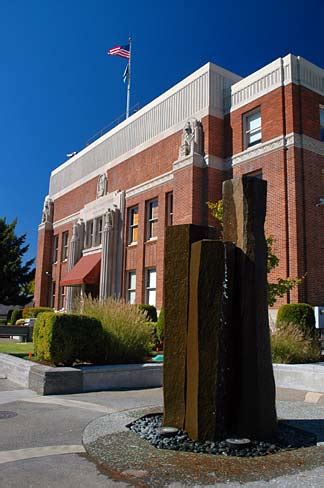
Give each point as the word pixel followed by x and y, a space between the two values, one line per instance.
pixel 105 271
pixel 74 256
pixel 210 340
pixel 244 201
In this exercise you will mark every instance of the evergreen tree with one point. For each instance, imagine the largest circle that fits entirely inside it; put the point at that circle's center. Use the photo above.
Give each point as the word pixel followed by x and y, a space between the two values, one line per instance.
pixel 15 276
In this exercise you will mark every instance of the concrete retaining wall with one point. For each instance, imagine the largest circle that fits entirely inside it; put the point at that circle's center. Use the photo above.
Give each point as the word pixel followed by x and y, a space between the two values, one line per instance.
pixel 122 376
pixel 16 369
pixel 46 380
pixel 308 377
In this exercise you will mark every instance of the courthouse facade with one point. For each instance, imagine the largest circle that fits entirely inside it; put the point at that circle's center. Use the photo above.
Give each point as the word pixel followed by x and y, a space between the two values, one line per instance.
pixel 104 220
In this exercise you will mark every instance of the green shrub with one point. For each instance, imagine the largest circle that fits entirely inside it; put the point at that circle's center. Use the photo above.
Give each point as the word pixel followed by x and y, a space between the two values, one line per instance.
pixel 127 339
pixel 9 314
pixel 149 311
pixel 32 312
pixel 299 314
pixel 160 326
pixel 3 321
pixel 16 315
pixel 66 338
pixel 291 345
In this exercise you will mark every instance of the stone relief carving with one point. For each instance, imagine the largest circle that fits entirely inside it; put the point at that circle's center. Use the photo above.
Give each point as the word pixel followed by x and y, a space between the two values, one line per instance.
pixel 47 213
pixel 192 139
pixel 108 219
pixel 101 185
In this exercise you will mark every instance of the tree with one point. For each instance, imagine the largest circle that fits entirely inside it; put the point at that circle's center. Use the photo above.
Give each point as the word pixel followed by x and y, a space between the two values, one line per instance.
pixel 283 285
pixel 15 276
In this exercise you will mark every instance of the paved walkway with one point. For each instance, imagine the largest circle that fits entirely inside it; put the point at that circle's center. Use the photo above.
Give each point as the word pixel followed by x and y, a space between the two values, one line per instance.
pixel 40 437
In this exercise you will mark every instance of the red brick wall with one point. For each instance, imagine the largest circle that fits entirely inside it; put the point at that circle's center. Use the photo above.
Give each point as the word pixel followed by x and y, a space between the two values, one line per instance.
pixel 272 121
pixel 74 200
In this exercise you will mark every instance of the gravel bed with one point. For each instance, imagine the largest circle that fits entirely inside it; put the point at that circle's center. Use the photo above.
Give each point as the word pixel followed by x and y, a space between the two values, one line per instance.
pixel 148 428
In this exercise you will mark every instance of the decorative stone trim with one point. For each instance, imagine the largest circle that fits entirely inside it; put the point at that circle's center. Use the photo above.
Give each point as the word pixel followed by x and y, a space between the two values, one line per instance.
pixel 257 151
pixel 292 139
pixel 66 220
pixel 310 144
pixel 192 160
pixel 217 163
pixel 148 185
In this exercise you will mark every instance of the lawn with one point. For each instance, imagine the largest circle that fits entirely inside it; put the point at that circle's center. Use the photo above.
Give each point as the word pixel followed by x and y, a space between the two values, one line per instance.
pixel 20 349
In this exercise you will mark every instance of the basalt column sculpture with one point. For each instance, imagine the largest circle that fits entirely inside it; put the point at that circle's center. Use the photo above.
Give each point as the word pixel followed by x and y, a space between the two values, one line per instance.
pixel 218 377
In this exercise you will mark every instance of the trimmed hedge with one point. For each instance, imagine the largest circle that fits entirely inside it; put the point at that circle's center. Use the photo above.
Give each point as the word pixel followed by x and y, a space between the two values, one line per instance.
pixel 149 311
pixel 16 315
pixel 299 314
pixel 66 338
pixel 32 312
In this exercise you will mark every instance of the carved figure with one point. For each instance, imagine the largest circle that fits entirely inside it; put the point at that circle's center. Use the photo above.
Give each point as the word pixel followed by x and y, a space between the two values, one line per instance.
pixel 109 218
pixel 192 139
pixel 47 210
pixel 101 186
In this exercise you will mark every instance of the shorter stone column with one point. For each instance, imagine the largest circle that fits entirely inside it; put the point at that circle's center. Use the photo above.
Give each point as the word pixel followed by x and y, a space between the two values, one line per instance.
pixel 210 341
pixel 176 300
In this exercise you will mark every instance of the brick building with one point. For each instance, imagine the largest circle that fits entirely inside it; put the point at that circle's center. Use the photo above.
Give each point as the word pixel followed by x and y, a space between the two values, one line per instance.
pixel 103 223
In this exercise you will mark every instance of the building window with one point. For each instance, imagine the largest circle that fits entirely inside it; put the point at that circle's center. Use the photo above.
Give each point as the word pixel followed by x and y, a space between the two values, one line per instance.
pixel 152 219
pixel 55 249
pixel 322 123
pixel 169 203
pixel 151 286
pixel 252 128
pixel 131 286
pixel 89 234
pixel 53 294
pixel 62 297
pixel 99 230
pixel 65 246
pixel 133 225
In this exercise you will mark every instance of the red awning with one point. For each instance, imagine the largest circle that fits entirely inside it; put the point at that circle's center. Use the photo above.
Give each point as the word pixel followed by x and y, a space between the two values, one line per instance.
pixel 85 272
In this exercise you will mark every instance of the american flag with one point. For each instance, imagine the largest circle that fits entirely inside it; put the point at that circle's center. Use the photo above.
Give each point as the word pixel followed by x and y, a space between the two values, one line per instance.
pixel 122 51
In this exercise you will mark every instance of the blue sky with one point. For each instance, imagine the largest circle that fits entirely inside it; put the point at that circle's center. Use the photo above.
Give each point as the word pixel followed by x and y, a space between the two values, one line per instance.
pixel 58 87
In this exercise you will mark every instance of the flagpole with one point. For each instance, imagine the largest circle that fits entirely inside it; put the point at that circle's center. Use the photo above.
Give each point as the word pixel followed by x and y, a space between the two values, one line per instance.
pixel 129 78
